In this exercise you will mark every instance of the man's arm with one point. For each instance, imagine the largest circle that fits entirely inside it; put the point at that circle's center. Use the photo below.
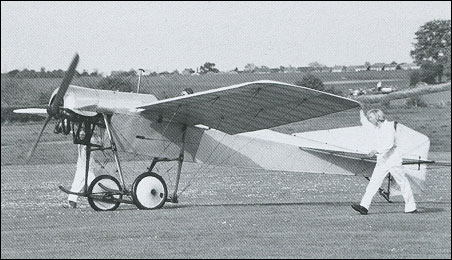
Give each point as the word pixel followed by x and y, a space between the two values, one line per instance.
pixel 367 126
pixel 364 121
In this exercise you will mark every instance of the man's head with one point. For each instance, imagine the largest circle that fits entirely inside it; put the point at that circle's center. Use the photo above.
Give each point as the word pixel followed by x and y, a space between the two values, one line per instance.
pixel 376 116
pixel 186 91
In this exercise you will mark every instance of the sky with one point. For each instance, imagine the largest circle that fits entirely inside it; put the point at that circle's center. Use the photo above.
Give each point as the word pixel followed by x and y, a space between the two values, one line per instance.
pixel 164 36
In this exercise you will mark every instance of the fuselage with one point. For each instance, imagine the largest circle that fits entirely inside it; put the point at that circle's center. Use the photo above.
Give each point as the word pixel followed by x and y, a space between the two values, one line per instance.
pixel 89 102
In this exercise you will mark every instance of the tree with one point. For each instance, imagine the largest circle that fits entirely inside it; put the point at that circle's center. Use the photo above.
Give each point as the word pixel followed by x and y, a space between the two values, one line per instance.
pixel 433 46
pixel 415 77
pixel 84 73
pixel 115 83
pixel 311 81
pixel 95 73
pixel 427 74
pixel 250 67
pixel 208 67
pixel 13 73
pixel 316 64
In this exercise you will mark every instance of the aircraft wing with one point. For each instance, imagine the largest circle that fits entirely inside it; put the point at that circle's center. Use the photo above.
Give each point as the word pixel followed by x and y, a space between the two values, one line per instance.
pixel 248 107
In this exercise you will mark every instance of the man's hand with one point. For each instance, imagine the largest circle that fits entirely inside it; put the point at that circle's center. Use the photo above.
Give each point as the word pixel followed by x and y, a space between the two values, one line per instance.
pixel 372 153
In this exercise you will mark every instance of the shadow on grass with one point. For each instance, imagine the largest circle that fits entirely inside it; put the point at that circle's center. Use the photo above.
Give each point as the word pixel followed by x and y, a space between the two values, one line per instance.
pixel 421 210
pixel 180 206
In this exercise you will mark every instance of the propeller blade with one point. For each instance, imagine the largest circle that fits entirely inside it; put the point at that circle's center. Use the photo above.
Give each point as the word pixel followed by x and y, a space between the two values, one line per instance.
pixel 58 100
pixel 39 111
pixel 30 153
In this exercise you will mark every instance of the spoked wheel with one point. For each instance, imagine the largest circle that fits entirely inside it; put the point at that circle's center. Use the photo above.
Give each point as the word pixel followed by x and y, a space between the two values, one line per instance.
pixel 104 193
pixel 149 191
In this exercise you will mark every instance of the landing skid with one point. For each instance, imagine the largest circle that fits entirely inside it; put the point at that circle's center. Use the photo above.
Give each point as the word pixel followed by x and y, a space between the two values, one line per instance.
pixel 113 191
pixel 63 189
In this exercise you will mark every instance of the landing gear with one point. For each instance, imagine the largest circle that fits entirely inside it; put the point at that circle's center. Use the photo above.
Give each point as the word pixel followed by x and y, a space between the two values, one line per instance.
pixel 149 191
pixel 104 193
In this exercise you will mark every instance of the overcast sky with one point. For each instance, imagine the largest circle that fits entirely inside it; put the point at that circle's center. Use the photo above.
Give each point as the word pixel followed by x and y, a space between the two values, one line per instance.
pixel 176 35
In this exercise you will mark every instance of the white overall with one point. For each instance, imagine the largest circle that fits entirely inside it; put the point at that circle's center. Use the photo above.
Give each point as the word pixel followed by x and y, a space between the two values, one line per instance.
pixel 388 160
pixel 79 179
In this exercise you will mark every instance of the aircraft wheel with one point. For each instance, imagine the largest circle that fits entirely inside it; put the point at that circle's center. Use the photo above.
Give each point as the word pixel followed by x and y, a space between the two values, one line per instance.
pixel 103 193
pixel 149 191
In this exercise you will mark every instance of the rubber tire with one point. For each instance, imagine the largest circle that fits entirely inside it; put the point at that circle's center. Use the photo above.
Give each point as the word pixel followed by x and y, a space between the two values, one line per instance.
pixel 92 201
pixel 136 197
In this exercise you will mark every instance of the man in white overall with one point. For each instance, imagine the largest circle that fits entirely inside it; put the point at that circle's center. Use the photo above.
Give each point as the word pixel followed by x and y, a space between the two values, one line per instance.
pixel 384 137
pixel 78 183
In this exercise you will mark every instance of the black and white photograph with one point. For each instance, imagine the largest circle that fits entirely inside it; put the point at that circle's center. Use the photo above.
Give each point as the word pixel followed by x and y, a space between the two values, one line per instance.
pixel 226 129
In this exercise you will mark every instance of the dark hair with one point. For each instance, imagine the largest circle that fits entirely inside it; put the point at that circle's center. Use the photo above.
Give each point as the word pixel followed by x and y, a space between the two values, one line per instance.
pixel 188 90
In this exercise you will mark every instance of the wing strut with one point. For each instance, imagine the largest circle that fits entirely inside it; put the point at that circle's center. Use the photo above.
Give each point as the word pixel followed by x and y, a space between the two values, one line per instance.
pixel 173 198
pixel 179 166
pixel 115 152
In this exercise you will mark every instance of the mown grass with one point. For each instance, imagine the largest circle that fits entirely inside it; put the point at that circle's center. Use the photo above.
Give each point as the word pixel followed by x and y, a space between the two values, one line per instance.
pixel 224 213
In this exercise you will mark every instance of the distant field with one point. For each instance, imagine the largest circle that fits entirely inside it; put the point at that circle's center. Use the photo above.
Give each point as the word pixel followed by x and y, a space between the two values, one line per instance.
pixel 28 91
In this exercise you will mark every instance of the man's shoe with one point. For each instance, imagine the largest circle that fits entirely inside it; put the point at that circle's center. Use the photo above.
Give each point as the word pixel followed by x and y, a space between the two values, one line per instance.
pixel 360 209
pixel 413 211
pixel 70 205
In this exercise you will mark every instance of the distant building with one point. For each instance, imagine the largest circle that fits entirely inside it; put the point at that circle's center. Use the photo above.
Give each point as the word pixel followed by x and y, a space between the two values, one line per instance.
pixel 262 70
pixel 323 69
pixel 377 66
pixel 187 72
pixel 392 67
pixel 339 69
pixel 357 68
pixel 305 69
pixel 409 66
pixel 290 69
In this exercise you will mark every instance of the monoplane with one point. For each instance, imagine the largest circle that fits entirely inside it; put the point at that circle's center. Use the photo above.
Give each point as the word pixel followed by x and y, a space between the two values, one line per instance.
pixel 224 126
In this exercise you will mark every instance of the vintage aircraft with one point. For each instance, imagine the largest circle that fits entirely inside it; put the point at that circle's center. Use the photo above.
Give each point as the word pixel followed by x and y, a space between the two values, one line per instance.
pixel 226 126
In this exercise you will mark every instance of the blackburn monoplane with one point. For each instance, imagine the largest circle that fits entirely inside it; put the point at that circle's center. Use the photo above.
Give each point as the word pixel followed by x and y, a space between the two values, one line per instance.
pixel 224 126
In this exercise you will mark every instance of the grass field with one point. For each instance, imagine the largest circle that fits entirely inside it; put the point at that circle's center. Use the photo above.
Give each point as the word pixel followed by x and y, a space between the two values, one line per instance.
pixel 225 213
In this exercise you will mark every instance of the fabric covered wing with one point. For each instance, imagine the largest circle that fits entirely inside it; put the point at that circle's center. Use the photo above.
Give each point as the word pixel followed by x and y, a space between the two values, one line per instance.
pixel 248 107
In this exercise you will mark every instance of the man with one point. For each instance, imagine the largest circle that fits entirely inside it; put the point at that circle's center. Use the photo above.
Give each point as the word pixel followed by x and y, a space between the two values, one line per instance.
pixel 384 138
pixel 78 183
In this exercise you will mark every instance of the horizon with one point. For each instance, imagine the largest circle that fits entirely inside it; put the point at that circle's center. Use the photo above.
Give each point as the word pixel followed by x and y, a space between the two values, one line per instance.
pixel 147 72
pixel 168 36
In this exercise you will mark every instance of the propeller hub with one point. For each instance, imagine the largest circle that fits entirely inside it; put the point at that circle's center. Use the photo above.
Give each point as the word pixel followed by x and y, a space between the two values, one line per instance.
pixel 51 111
